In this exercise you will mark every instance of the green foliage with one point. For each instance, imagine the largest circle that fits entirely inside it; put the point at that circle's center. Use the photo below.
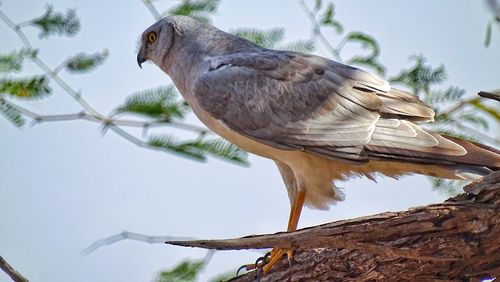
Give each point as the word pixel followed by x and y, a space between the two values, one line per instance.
pixel 161 103
pixel 452 94
pixel 480 105
pixel 265 38
pixel 487 38
pixel 186 271
pixel 83 62
pixel 447 186
pixel 491 22
pixel 28 88
pixel 273 38
pixel 13 61
pixel 366 41
pixel 11 113
pixel 198 149
pixel 57 23
pixel 421 76
pixel 304 46
pixel 327 19
pixel 368 61
pixel 199 9
pixel 475 119
pixel 455 133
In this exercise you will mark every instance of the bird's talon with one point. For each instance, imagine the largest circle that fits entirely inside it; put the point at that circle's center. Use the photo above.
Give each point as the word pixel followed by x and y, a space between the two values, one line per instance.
pixel 245 267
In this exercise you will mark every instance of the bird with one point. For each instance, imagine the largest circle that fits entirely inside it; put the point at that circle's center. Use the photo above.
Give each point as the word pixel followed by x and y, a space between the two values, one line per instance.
pixel 319 120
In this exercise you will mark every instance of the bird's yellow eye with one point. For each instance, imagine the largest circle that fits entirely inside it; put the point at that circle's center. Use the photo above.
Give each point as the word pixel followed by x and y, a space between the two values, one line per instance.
pixel 151 37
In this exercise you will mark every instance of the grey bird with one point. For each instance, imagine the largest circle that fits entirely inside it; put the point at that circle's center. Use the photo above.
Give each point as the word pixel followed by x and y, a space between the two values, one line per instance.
pixel 317 119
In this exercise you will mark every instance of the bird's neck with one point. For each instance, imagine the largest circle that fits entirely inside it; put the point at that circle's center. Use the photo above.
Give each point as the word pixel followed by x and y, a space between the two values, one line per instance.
pixel 192 51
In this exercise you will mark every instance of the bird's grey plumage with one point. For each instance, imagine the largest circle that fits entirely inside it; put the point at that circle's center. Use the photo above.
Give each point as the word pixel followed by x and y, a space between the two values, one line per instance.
pixel 301 110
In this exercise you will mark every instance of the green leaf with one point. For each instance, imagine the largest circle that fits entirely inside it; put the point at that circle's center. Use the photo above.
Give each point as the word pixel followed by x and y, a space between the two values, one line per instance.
pixel 14 61
pixel 186 271
pixel 169 144
pixel 222 149
pixel 327 19
pixel 478 104
pixel 448 187
pixel 474 119
pixel 368 61
pixel 304 46
pixel 420 77
pixel 57 23
pixel 452 94
pixel 36 87
pixel 487 38
pixel 159 103
pixel 198 149
pixel 82 62
pixel 366 41
pixel 199 9
pixel 317 6
pixel 11 113
pixel 265 38
pixel 457 134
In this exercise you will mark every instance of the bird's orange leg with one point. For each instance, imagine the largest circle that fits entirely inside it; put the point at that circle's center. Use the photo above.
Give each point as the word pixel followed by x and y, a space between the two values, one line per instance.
pixel 293 221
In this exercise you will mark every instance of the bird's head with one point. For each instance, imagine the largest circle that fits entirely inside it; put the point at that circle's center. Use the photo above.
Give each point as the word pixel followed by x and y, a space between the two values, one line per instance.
pixel 156 41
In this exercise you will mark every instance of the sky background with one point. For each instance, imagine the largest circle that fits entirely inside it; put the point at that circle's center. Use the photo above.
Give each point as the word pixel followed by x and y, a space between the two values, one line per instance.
pixel 65 185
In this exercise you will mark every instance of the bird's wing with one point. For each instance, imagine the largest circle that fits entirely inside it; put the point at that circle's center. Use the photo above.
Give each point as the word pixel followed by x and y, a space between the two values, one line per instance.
pixel 294 101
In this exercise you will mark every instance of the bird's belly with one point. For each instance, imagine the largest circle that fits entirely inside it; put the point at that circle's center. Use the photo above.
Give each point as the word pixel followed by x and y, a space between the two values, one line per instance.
pixel 239 140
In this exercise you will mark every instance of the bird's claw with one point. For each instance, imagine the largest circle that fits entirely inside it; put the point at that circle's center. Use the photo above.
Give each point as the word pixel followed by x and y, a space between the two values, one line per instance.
pixel 266 262
pixel 259 263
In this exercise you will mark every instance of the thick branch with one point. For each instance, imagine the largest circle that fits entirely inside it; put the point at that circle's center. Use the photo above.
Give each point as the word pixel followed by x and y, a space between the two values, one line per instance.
pixel 455 240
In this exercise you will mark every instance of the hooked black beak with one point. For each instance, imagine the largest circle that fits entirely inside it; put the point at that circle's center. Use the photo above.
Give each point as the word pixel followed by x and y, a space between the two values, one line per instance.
pixel 140 60
pixel 141 57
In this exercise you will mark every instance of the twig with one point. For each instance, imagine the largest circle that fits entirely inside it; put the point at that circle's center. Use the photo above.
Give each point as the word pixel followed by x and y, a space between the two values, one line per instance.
pixel 7 268
pixel 39 118
pixel 318 33
pixel 127 235
pixel 152 9
pixel 460 105
pixel 490 95
pixel 89 113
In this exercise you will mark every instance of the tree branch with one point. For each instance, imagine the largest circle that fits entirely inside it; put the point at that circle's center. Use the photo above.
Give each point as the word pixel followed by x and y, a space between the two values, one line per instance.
pixel 7 268
pixel 317 32
pixel 457 239
pixel 88 112
pixel 127 235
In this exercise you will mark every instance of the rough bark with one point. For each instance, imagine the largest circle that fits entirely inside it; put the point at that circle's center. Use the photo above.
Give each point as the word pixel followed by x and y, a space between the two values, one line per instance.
pixel 458 240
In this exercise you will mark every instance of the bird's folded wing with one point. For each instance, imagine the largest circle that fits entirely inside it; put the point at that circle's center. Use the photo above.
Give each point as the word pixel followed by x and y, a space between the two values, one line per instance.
pixel 294 101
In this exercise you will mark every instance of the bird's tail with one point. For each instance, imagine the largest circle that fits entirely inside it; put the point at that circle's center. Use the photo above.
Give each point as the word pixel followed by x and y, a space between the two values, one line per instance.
pixel 476 159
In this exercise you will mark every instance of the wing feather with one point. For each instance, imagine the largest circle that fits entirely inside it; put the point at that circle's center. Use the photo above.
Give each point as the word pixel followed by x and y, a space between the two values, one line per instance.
pixel 296 101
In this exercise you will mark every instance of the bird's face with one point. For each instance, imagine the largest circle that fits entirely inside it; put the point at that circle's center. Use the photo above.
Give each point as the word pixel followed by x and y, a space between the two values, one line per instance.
pixel 156 41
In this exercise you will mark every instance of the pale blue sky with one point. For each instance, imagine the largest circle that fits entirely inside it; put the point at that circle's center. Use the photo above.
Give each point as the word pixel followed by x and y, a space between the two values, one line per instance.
pixel 64 185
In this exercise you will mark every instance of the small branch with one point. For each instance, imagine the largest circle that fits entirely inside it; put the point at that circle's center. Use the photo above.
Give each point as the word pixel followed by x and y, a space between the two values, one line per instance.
pixel 318 33
pixel 7 268
pixel 39 118
pixel 89 113
pixel 490 95
pixel 126 235
pixel 152 9
pixel 48 71
pixel 460 105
